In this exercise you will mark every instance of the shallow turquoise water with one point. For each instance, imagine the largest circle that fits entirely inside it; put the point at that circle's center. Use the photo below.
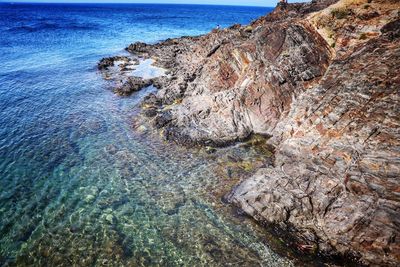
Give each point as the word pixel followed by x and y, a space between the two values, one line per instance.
pixel 78 186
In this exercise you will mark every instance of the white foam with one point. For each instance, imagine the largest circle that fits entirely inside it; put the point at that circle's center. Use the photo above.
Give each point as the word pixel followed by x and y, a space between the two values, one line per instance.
pixel 146 70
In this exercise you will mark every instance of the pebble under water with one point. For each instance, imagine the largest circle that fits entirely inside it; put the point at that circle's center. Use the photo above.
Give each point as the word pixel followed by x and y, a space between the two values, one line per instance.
pixel 78 186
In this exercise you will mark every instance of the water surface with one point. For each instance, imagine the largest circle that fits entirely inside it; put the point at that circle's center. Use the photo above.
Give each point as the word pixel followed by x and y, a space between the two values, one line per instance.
pixel 78 186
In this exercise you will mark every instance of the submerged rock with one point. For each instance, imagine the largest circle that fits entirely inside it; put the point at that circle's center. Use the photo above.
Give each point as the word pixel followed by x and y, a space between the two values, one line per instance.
pixel 110 218
pixel 89 198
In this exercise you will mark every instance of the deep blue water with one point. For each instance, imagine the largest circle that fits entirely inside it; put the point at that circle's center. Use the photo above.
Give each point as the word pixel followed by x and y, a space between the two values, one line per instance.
pixel 78 187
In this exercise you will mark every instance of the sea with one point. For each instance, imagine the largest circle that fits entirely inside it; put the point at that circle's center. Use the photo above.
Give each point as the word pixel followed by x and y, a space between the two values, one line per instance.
pixel 78 185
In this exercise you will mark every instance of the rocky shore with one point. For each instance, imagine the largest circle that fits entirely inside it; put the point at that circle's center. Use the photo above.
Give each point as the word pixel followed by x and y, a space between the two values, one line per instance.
pixel 321 80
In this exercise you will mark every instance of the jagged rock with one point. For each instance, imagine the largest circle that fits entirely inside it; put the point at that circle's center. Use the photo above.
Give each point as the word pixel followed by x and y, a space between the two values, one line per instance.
pixel 160 82
pixel 162 119
pixel 392 29
pixel 107 62
pixel 322 79
pixel 152 100
pixel 137 47
pixel 131 85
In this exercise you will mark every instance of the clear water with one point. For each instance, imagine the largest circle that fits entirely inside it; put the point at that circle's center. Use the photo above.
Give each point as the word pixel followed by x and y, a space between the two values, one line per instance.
pixel 79 187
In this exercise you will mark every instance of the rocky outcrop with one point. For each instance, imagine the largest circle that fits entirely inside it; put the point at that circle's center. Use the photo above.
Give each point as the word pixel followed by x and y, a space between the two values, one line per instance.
pixel 123 61
pixel 131 85
pixel 118 71
pixel 336 179
pixel 231 83
pixel 321 79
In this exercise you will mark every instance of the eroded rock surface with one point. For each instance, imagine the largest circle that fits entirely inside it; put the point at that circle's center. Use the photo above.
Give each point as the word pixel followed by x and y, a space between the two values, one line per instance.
pixel 336 178
pixel 322 80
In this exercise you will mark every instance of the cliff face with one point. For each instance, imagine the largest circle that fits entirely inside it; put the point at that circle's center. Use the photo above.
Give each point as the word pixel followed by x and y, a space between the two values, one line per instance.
pixel 322 80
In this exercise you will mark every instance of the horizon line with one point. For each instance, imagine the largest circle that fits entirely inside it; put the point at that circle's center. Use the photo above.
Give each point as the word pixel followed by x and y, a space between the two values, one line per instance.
pixel 126 3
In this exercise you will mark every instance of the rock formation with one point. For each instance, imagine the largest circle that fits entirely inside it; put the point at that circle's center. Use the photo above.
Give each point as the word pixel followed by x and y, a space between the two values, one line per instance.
pixel 322 80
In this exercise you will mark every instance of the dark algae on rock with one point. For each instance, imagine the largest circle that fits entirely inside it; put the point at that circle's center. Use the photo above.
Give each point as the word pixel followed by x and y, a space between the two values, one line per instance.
pixel 322 80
